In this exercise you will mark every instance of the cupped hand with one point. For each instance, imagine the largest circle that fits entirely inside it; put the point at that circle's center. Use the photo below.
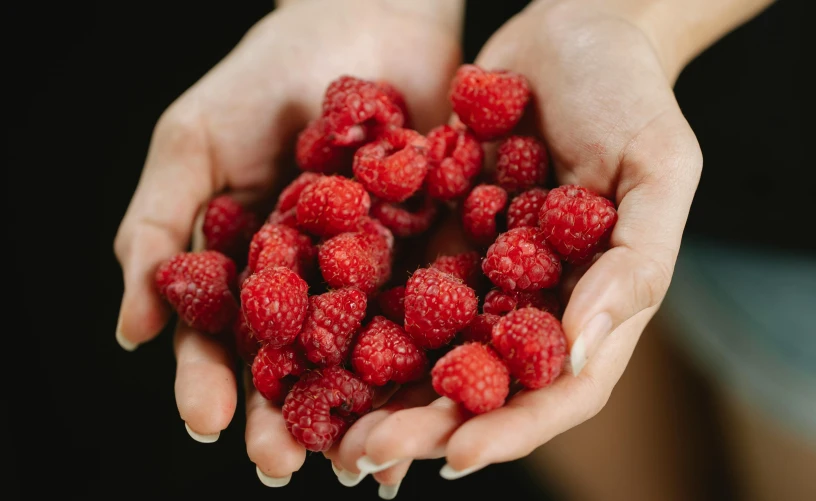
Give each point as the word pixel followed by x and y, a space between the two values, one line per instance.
pixel 231 132
pixel 605 108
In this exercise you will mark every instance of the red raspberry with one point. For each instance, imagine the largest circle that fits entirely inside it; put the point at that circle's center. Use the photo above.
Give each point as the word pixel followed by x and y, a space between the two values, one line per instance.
pixel 481 329
pixel 394 167
pixel 275 301
pixel 384 352
pixel 350 260
pixel 272 369
pixel 521 260
pixel 397 98
pixel 288 198
pixel 322 405
pixel 524 208
pixel 499 302
pixel 437 306
pixel 279 245
pixel 408 219
pixel 288 218
pixel 245 343
pixel 316 152
pixel 228 227
pixel 533 346
pixel 576 222
pixel 375 229
pixel 480 211
pixel 455 157
pixel 522 163
pixel 198 286
pixel 392 304
pixel 464 266
pixel 490 103
pixel 242 278
pixel 332 205
pixel 353 106
pixel 332 321
pixel 473 375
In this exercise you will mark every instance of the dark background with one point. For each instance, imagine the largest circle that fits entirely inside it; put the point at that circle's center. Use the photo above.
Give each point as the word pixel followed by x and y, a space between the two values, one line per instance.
pixel 90 81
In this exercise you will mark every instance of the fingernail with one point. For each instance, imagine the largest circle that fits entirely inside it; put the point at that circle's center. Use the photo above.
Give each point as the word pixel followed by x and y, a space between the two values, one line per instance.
pixel 126 344
pixel 366 465
pixel 448 473
pixel 348 478
pixel 389 491
pixel 588 341
pixel 272 481
pixel 336 469
pixel 204 439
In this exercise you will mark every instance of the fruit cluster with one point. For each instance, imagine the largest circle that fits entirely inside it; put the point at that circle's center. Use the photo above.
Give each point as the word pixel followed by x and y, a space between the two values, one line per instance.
pixel 328 304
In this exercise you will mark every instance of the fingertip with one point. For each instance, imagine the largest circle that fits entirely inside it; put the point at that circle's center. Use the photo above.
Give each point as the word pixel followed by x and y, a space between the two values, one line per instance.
pixel 269 444
pixel 272 481
pixel 200 437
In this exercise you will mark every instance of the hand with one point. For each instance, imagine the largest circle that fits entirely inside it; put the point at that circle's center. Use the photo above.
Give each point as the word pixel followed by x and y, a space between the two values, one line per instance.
pixel 605 108
pixel 230 132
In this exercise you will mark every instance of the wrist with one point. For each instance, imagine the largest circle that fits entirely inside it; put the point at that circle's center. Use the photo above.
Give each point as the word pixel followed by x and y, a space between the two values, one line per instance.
pixel 678 30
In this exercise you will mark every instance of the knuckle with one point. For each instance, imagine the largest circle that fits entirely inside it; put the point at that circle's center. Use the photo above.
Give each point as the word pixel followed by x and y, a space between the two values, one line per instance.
pixel 181 123
pixel 652 279
pixel 597 397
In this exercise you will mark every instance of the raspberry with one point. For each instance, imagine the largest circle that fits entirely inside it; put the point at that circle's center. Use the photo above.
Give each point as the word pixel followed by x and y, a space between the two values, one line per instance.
pixel 532 345
pixel 332 321
pixel 392 304
pixel 288 218
pixel 332 205
pixel 576 222
pixel 228 227
pixel 272 368
pixel 322 405
pixel 351 260
pixel 198 286
pixel 397 98
pixel 353 106
pixel 481 329
pixel 288 198
pixel 246 345
pixel 408 219
pixel 437 306
pixel 499 302
pixel 473 375
pixel 521 260
pixel 524 208
pixel 279 245
pixel 490 103
pixel 316 152
pixel 394 167
pixel 455 158
pixel 480 211
pixel 521 164
pixel 384 352
pixel 374 228
pixel 275 301
pixel 464 266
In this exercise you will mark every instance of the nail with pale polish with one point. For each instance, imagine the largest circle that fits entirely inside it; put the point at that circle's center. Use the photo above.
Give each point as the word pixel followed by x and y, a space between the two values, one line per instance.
pixel 448 473
pixel 348 478
pixel 126 344
pixel 366 465
pixel 589 340
pixel 204 439
pixel 272 481
pixel 389 491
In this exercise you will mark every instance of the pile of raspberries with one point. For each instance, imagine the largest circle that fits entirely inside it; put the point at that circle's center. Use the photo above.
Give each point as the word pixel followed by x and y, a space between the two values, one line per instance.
pixel 330 301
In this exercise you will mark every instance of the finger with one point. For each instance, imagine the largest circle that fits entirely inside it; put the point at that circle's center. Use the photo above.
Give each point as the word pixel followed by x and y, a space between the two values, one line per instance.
pixel 176 181
pixel 205 388
pixel 531 418
pixel 270 446
pixel 391 479
pixel 351 464
pixel 418 433
pixel 659 171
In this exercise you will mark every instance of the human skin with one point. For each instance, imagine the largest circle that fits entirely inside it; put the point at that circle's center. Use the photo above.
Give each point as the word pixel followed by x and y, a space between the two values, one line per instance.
pixel 602 73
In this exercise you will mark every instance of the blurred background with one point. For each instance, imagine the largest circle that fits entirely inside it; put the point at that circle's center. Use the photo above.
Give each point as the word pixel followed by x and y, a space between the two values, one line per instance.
pixel 94 78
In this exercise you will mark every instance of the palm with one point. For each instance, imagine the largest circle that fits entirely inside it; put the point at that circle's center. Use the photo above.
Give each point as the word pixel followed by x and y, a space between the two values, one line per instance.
pixel 605 109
